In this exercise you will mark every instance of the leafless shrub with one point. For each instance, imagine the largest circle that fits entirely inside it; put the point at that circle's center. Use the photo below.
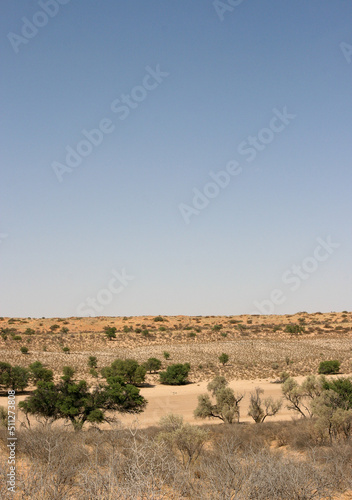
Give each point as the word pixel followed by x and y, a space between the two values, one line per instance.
pixel 275 477
pixel 336 461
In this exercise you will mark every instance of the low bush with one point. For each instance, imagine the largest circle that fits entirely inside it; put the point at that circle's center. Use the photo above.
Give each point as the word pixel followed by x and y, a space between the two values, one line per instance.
pixel 223 358
pixel 152 365
pixel 92 362
pixel 158 318
pixel 176 374
pixel 329 367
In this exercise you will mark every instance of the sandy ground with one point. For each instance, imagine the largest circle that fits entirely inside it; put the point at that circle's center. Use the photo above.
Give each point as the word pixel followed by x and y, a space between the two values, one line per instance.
pixel 182 400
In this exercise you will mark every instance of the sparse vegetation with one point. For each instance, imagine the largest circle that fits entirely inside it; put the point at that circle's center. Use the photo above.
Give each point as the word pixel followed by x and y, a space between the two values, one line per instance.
pixel 174 458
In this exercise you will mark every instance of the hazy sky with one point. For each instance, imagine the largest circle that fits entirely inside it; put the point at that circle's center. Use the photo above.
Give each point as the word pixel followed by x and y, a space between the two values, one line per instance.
pixel 175 157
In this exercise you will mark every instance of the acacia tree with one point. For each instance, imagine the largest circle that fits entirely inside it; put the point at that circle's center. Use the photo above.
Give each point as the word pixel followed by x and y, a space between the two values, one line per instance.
pixel 39 372
pixel 333 407
pixel 176 374
pixel 152 365
pixel 226 406
pixel 129 369
pixel 74 401
pixel 300 397
pixel 259 409
pixel 13 377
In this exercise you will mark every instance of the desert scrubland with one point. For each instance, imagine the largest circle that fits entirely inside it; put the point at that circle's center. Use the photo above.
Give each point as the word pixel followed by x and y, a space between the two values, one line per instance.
pixel 166 451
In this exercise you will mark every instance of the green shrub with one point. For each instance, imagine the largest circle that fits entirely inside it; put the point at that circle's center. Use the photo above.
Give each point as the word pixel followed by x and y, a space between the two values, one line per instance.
pixel 158 318
pixel 217 328
pixel 162 329
pixel 329 367
pixel 223 358
pixel 17 337
pixel 175 374
pixel 138 330
pixel 110 332
pixel 128 369
pixel 66 350
pixel 38 372
pixel 54 327
pixel 64 329
pixel 152 365
pixel 192 334
pixel 127 329
pixel 166 355
pixel 92 362
pixel 29 331
pixel 24 350
pixel 294 329
pixel 13 377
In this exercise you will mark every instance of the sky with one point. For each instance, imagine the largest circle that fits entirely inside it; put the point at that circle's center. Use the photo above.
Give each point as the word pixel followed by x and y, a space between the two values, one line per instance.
pixel 175 157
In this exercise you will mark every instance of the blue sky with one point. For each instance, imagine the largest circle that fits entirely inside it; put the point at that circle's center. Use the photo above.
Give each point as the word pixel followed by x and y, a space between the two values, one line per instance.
pixel 140 226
